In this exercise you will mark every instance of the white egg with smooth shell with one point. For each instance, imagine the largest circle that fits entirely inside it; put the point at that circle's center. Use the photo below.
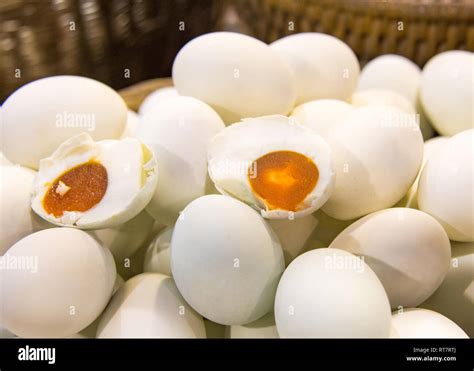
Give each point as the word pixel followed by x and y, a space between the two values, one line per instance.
pixel 41 115
pixel 430 146
pixel 455 297
pixel 125 239
pixel 179 134
pixel 445 189
pixel 155 98
pixel 293 234
pixel 4 161
pixel 234 156
pixel 238 75
pixel 263 328
pixel 225 260
pixel 131 126
pixel 415 323
pixel 330 293
pixel 157 258
pixel 150 306
pixel 407 249
pixel 400 75
pixel 446 91
pixel 322 114
pixel 381 96
pixel 131 177
pixel 17 218
pixel 377 153
pixel 322 65
pixel 392 72
pixel 67 265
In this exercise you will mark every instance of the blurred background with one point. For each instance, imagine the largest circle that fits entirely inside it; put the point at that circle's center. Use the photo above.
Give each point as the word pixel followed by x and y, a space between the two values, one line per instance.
pixel 122 42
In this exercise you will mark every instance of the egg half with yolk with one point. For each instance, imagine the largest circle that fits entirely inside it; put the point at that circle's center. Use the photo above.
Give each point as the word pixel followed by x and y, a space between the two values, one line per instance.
pixel 91 185
pixel 274 164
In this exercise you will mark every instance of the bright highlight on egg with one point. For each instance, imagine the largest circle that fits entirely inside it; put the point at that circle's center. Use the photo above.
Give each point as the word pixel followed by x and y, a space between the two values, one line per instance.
pixel 274 164
pixel 90 184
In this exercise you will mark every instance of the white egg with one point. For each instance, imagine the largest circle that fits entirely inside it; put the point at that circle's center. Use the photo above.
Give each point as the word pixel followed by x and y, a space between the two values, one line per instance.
pixel 446 91
pixel 179 133
pixel 400 75
pixel 131 126
pixel 430 146
pixel 55 283
pixel 446 185
pixel 455 297
pixel 377 152
pixel 381 96
pixel 274 164
pixel 90 184
pixel 293 234
pixel 323 66
pixel 238 75
pixel 17 218
pixel 417 323
pixel 157 258
pixel 156 97
pixel 225 260
pixel 392 72
pixel 41 115
pixel 214 330
pixel 263 328
pixel 407 249
pixel 150 306
pixel 125 239
pixel 322 114
pixel 330 293
pixel 4 161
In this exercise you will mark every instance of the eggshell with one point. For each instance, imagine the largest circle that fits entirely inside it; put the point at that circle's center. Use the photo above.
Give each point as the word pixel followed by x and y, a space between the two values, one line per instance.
pixel 4 161
pixel 293 234
pixel 407 249
pixel 446 91
pixel 157 258
pixel 322 114
pixel 381 96
pixel 446 185
pixel 41 115
pixel 179 134
pixel 238 75
pixel 66 285
pixel 392 72
pixel 398 74
pixel 455 297
pixel 150 306
pixel 327 229
pixel 377 153
pixel 225 260
pixel 417 323
pixel 430 146
pixel 156 97
pixel 17 218
pixel 323 66
pixel 263 328
pixel 329 293
pixel 125 239
pixel 131 125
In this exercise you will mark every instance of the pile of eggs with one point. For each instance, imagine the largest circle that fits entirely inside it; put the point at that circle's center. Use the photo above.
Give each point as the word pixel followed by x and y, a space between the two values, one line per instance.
pixel 274 191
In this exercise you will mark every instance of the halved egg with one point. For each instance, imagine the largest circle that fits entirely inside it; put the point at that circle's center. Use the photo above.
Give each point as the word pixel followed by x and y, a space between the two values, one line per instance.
pixel 274 164
pixel 92 185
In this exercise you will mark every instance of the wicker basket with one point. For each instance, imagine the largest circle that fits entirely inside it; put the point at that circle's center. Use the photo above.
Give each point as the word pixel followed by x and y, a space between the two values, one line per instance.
pixel 135 94
pixel 417 29
pixel 119 42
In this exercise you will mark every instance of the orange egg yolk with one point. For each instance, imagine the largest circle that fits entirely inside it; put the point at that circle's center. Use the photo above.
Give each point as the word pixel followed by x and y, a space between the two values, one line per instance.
pixel 78 189
pixel 283 179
